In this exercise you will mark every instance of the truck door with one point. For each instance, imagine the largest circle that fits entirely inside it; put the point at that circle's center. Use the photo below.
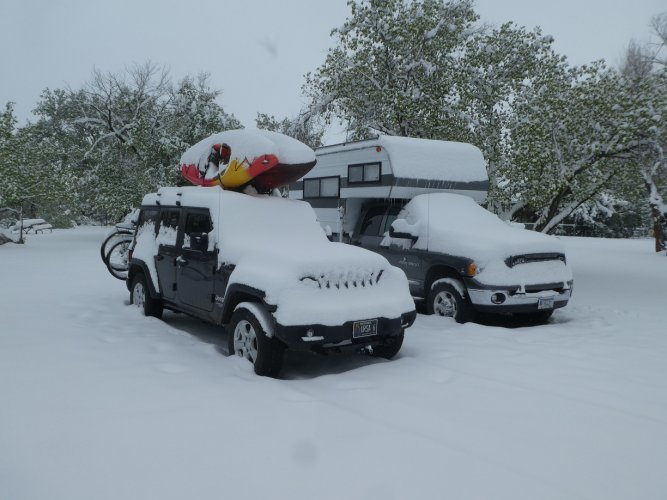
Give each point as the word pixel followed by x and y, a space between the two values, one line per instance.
pixel 399 253
pixel 195 264
pixel 165 259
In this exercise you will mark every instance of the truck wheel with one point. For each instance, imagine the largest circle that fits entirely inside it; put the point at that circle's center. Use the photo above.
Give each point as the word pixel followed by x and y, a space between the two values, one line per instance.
pixel 391 348
pixel 248 339
pixel 445 300
pixel 140 297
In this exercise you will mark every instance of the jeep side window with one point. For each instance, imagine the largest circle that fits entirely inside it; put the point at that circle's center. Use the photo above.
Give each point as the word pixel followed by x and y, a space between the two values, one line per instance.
pixel 147 219
pixel 196 222
pixel 372 222
pixel 168 230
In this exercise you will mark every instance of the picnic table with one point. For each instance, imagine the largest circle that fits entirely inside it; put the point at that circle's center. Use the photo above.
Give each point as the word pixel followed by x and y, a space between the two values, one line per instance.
pixel 32 225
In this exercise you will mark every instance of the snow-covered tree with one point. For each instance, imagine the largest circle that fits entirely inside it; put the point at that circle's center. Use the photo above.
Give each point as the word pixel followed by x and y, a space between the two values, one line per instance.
pixel 121 135
pixel 571 136
pixel 427 69
pixel 498 64
pixel 29 180
pixel 307 130
pixel 395 69
pixel 645 72
pixel 8 184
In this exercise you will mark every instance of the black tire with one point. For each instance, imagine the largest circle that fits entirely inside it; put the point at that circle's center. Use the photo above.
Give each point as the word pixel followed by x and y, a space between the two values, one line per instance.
pixel 117 259
pixel 248 339
pixel 391 348
pixel 537 317
pixel 445 299
pixel 141 297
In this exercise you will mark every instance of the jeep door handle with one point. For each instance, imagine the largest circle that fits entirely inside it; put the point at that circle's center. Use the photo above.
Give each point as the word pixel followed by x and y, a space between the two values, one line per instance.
pixel 159 257
pixel 180 261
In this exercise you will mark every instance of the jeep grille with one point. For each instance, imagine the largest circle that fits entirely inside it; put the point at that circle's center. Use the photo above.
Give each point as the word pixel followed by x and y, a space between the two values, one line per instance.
pixel 342 281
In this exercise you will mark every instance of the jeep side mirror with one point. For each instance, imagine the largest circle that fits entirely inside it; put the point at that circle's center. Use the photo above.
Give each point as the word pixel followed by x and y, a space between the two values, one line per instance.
pixel 401 229
pixel 199 241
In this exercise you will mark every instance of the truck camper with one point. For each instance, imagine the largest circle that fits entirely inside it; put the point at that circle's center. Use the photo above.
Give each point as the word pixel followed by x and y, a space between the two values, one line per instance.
pixel 417 202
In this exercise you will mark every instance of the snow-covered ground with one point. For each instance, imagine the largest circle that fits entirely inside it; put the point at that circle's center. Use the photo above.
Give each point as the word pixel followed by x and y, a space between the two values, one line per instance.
pixel 99 402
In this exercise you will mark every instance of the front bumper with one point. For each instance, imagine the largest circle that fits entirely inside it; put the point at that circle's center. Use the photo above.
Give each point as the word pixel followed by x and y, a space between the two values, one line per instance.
pixel 321 338
pixel 518 299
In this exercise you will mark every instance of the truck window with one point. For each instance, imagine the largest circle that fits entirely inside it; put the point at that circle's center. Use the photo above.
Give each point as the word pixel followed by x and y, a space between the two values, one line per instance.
pixel 372 221
pixel 392 213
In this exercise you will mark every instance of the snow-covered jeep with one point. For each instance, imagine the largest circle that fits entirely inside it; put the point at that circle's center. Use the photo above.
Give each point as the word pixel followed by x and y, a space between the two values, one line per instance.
pixel 262 267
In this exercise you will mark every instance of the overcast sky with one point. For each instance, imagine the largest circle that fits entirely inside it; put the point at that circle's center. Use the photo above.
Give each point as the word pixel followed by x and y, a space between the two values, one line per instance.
pixel 256 51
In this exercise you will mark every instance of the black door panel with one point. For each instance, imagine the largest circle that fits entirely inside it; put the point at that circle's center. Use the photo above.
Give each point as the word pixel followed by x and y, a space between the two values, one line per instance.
pixel 195 274
pixel 195 269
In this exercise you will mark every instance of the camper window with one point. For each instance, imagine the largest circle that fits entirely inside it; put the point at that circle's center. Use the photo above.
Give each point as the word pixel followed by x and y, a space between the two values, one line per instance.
pixel 321 187
pixel 364 172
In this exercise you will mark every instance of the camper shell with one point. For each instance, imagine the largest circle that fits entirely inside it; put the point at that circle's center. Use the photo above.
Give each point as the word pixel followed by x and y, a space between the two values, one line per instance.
pixel 351 174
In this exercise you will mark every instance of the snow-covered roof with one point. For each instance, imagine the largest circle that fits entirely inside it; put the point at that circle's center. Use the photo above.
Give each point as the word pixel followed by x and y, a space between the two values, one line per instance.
pixel 429 159
pixel 415 158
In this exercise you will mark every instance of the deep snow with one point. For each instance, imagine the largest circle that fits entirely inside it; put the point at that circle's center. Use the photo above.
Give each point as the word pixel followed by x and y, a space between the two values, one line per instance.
pixel 99 402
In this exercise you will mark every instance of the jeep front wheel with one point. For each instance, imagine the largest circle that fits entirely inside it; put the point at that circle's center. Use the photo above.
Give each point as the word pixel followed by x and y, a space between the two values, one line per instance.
pixel 445 299
pixel 249 339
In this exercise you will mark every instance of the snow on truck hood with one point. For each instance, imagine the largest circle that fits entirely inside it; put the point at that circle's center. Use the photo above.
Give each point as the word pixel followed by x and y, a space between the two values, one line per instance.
pixel 456 225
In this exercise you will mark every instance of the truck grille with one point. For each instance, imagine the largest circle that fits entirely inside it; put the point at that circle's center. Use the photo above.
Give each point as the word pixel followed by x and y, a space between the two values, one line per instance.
pixel 515 260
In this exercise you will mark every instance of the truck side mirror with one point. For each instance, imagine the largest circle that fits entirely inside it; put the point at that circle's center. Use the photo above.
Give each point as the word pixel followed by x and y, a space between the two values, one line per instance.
pixel 401 229
pixel 199 241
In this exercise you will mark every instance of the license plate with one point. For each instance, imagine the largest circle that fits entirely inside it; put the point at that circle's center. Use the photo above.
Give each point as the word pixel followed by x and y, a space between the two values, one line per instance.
pixel 545 303
pixel 364 328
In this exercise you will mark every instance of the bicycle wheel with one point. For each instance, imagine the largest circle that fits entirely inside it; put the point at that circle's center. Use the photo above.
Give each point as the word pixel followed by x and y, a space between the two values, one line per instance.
pixel 117 260
pixel 111 240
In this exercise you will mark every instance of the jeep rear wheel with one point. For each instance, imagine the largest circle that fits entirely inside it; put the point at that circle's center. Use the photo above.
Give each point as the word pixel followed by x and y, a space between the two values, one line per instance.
pixel 446 300
pixel 249 339
pixel 140 296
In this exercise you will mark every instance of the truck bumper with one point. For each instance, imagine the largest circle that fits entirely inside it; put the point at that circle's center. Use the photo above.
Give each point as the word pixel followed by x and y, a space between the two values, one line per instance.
pixel 518 300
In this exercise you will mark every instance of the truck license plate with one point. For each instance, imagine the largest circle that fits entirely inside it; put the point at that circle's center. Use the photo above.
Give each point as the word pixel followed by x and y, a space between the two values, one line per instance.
pixel 545 303
pixel 364 328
